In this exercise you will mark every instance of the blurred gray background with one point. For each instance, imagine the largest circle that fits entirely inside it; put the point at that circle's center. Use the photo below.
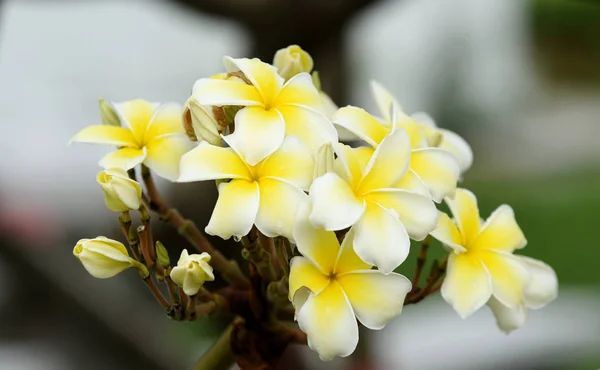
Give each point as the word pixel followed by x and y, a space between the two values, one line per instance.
pixel 519 79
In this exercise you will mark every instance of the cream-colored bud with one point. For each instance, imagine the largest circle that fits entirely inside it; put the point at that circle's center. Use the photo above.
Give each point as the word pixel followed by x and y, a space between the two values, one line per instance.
pixel 192 271
pixel 323 160
pixel 291 61
pixel 107 113
pixel 120 192
pixel 104 258
pixel 201 123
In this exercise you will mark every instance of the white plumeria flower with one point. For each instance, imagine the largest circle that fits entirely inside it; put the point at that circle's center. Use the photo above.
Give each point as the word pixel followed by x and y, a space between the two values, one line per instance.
pixel 360 194
pixel 266 194
pixel 103 257
pixel 272 109
pixel 153 135
pixel 192 271
pixel 436 168
pixel 330 287
pixel 482 268
pixel 541 290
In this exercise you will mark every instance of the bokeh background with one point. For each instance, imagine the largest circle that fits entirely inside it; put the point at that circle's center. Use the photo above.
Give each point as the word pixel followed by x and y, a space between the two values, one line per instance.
pixel 519 79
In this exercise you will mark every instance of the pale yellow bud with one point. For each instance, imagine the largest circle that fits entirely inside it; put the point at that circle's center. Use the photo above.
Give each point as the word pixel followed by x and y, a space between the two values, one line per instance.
pixel 200 123
pixel 107 113
pixel 291 61
pixel 104 258
pixel 323 160
pixel 120 192
pixel 192 271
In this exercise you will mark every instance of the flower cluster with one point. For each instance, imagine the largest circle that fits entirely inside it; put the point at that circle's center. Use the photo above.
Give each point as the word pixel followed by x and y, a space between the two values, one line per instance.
pixel 267 134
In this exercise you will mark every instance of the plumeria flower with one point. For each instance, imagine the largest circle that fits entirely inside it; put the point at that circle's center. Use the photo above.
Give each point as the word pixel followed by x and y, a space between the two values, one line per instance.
pixel 266 194
pixel 153 135
pixel 436 168
pixel 330 287
pixel 361 194
pixel 482 267
pixel 272 109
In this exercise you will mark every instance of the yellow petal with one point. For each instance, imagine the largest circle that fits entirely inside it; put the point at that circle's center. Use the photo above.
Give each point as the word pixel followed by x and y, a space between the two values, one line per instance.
pixel 501 232
pixel 262 75
pixel 418 138
pixel 347 259
pixel 136 115
pixel 209 162
pixel 328 320
pixel 316 244
pixel 236 209
pixel 466 213
pixel 412 182
pixel 438 170
pixel 125 158
pixel 311 126
pixel 352 161
pixel 376 298
pixel 109 135
pixel 447 233
pixel 258 133
pixel 279 202
pixel 467 285
pixel 335 206
pixel 303 272
pixel 509 276
pixel 543 287
pixel 361 124
pixel 166 121
pixel 417 212
pixel 388 164
pixel 292 161
pixel 300 90
pixel 164 155
pixel 459 148
pixel 381 239
pixel 384 100
pixel 208 91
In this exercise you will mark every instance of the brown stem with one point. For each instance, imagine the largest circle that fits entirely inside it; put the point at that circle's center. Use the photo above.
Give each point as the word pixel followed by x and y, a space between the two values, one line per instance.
pixel 156 293
pixel 230 271
pixel 190 308
pixel 436 272
pixel 259 257
pixel 421 258
pixel 219 356
pixel 132 240
pixel 280 251
pixel 175 298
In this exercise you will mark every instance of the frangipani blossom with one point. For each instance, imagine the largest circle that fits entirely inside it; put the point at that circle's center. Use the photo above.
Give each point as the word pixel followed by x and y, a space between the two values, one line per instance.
pixel 361 194
pixel 436 168
pixel 152 135
pixel 482 268
pixel 330 287
pixel 266 195
pixel 272 110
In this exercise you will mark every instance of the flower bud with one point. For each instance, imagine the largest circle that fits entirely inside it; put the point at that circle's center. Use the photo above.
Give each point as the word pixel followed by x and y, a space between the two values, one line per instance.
pixel 323 160
pixel 120 192
pixel 192 271
pixel 104 258
pixel 162 256
pixel 108 114
pixel 291 61
pixel 200 123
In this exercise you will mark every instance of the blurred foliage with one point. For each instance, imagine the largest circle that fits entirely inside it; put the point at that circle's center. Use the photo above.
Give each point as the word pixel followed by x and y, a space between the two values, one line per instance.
pixel 566 39
pixel 558 214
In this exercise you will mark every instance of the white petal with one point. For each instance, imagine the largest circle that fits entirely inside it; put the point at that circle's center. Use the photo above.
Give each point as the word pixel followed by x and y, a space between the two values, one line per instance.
pixel 375 297
pixel 543 286
pixel 258 133
pixel 209 91
pixel 125 158
pixel 447 233
pixel 328 320
pixel 335 206
pixel 438 169
pixel 209 162
pixel 459 148
pixel 501 232
pixel 164 155
pixel 304 273
pixel 308 124
pixel 361 124
pixel 381 239
pixel 279 202
pixel 262 75
pixel 509 276
pixel 508 319
pixel 300 90
pixel 384 100
pixel 236 209
pixel 292 161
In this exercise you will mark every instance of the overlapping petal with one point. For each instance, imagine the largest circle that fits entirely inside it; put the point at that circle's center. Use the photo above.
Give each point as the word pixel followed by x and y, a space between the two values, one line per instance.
pixel 236 209
pixel 303 272
pixel 467 285
pixel 335 206
pixel 543 286
pixel 292 162
pixel 263 76
pixel 501 232
pixel 279 201
pixel 438 170
pixel 209 162
pixel 347 259
pixel 311 126
pixel 300 90
pixel 125 158
pixel 108 135
pixel 376 298
pixel 384 100
pixel 459 148
pixel 508 319
pixel 380 238
pixel 208 91
pixel 136 114
pixel 164 155
pixel 361 124
pixel 166 121
pixel 447 233
pixel 466 213
pixel 509 276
